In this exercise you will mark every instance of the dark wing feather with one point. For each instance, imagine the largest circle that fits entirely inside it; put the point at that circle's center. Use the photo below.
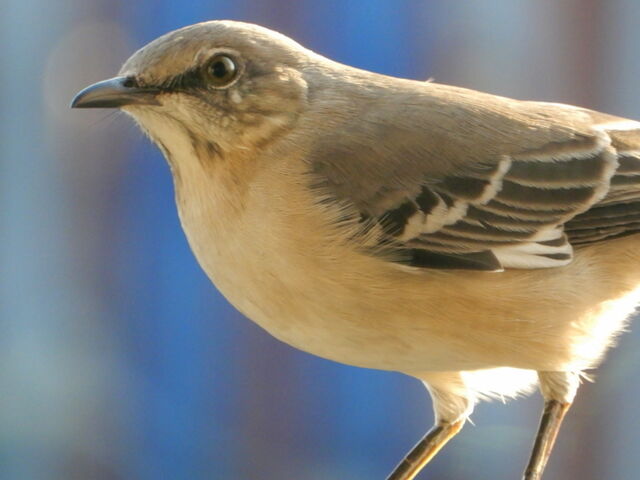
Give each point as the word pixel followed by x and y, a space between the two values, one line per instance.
pixel 618 213
pixel 507 209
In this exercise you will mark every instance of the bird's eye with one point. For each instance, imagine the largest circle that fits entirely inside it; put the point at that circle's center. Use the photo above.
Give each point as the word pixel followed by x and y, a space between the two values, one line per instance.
pixel 221 70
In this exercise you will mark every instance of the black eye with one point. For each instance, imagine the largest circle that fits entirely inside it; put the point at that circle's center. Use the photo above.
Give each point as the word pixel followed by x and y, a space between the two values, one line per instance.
pixel 221 70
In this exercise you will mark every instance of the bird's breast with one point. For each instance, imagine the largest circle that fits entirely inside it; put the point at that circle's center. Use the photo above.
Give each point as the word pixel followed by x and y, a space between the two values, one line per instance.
pixel 270 250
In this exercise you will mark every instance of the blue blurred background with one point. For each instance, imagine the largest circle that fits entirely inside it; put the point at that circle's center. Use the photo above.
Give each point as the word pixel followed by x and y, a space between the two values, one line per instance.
pixel 118 358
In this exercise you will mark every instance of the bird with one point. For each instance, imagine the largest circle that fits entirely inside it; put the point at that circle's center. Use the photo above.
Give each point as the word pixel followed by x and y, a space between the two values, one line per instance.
pixel 483 245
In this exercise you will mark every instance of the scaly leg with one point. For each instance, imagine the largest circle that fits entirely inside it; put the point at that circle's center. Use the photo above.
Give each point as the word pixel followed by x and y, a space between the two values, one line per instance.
pixel 425 450
pixel 452 404
pixel 558 389
pixel 554 412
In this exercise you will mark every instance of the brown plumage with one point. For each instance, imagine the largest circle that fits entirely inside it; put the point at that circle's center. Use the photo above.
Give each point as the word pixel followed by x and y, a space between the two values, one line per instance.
pixel 465 239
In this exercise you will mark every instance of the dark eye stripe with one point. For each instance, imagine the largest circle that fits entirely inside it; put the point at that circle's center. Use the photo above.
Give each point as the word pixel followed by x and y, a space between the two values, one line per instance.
pixel 185 81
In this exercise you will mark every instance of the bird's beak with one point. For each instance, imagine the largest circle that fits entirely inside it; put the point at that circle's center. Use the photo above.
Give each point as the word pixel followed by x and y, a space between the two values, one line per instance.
pixel 113 93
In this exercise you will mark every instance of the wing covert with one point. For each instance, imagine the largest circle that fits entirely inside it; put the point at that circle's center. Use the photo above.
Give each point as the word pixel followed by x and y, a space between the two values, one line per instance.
pixel 512 210
pixel 491 207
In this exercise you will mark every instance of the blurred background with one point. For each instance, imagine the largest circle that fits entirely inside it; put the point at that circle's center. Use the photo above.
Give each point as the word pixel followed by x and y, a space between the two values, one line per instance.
pixel 118 358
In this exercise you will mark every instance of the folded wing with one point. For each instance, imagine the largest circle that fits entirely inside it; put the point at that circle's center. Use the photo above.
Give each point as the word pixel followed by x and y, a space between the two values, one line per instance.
pixel 523 208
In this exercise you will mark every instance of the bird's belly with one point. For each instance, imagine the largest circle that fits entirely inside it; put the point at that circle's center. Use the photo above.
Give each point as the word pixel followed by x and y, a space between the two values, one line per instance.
pixel 292 277
pixel 297 306
pixel 379 317
pixel 318 299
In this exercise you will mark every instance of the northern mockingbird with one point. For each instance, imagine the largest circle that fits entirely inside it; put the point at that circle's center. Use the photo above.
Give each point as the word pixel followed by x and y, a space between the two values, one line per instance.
pixel 462 238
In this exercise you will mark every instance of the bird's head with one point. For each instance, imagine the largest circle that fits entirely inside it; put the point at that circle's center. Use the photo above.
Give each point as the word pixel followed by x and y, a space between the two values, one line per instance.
pixel 214 87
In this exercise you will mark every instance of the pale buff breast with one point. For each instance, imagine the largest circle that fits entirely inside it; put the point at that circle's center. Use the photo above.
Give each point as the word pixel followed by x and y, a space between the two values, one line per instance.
pixel 273 253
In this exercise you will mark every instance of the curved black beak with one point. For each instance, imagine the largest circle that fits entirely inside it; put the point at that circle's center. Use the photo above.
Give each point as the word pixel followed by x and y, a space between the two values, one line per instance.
pixel 113 93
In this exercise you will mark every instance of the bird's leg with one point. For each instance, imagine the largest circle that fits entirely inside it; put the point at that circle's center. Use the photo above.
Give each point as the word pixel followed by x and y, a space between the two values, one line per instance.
pixel 558 389
pixel 452 404
pixel 425 450
pixel 552 416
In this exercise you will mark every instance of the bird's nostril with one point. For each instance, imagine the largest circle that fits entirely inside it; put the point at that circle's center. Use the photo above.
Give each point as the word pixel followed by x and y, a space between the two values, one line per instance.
pixel 129 82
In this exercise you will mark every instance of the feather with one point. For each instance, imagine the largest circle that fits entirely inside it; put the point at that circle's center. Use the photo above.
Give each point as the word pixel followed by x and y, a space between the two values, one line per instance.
pixel 489 207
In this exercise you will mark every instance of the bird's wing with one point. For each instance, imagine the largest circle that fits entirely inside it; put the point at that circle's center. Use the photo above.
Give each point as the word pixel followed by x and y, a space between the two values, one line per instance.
pixel 486 190
pixel 618 213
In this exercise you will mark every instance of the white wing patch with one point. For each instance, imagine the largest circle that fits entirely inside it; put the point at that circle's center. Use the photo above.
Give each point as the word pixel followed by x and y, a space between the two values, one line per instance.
pixel 537 254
